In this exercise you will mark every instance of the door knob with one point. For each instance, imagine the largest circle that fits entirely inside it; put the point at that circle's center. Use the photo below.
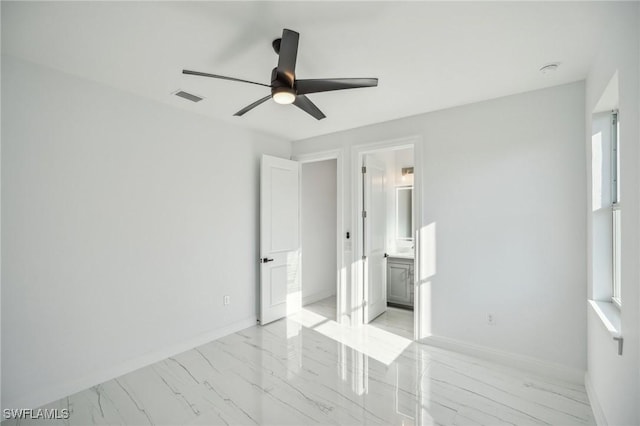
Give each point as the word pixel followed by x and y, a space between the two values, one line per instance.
pixel 265 260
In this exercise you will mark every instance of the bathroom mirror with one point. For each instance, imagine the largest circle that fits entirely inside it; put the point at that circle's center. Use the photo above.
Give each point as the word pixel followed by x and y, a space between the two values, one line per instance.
pixel 404 212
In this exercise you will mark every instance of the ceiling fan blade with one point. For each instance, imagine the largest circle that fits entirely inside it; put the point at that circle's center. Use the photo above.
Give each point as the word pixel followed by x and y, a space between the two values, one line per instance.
pixel 287 57
pixel 304 87
pixel 252 106
pixel 204 74
pixel 309 107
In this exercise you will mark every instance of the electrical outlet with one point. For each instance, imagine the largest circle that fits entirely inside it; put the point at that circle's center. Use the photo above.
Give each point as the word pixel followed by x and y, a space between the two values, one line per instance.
pixel 226 300
pixel 491 319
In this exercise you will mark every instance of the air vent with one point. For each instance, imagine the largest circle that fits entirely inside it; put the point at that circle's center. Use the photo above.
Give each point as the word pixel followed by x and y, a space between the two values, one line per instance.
pixel 188 96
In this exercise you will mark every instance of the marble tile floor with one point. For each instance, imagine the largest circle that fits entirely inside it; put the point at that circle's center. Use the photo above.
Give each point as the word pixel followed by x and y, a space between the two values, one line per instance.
pixel 325 307
pixel 287 373
pixel 394 320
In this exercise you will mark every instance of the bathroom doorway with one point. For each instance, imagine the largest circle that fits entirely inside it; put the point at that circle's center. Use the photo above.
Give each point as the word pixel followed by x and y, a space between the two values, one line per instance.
pixel 385 212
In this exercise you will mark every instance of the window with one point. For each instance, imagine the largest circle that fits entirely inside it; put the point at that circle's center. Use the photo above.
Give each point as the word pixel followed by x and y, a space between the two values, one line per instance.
pixel 615 208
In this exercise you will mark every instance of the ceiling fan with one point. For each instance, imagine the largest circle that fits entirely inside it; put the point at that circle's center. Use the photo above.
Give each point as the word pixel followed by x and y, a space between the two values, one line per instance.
pixel 285 88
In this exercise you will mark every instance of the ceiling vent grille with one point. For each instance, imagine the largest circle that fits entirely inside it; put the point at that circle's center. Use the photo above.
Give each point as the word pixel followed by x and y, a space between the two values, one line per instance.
pixel 189 96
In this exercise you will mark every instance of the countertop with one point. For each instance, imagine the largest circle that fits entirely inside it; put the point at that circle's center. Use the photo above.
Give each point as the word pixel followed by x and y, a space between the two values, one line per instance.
pixel 407 255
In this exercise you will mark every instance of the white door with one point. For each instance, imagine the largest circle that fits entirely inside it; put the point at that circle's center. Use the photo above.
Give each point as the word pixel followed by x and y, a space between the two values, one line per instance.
pixel 280 293
pixel 375 226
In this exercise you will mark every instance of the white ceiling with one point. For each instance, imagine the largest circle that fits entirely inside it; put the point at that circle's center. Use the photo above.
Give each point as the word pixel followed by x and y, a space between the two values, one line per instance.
pixel 428 56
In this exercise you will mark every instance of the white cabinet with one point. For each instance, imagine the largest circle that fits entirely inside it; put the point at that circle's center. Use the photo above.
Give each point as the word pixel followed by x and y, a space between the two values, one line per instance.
pixel 400 281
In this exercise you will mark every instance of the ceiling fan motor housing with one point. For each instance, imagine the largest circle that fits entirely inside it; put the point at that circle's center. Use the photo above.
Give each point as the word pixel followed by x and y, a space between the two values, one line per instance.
pixel 275 81
pixel 281 91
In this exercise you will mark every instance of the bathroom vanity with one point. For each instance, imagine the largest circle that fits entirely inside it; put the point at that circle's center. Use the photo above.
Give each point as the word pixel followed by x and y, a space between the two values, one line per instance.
pixel 400 262
pixel 400 287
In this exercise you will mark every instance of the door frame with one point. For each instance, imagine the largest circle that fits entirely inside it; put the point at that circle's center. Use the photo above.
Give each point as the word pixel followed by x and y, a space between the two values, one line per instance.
pixel 341 277
pixel 357 155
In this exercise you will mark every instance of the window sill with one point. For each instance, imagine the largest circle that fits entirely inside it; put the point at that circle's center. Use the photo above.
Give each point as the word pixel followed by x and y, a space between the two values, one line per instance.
pixel 616 302
pixel 609 314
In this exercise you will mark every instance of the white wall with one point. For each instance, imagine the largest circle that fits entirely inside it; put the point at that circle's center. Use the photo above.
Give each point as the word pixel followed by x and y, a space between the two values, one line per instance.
pixel 1 405
pixel 615 380
pixel 504 187
pixel 319 197
pixel 124 222
pixel 403 158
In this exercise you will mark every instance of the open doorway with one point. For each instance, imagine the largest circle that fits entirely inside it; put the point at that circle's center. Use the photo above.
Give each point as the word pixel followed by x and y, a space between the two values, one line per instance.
pixel 386 212
pixel 318 237
pixel 321 228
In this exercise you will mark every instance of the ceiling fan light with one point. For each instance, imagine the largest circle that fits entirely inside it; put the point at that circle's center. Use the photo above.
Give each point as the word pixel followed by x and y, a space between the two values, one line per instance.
pixel 284 95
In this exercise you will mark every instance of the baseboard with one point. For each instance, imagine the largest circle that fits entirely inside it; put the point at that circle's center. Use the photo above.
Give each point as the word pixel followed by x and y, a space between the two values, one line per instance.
pixel 316 297
pixel 54 393
pixel 534 365
pixel 598 413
